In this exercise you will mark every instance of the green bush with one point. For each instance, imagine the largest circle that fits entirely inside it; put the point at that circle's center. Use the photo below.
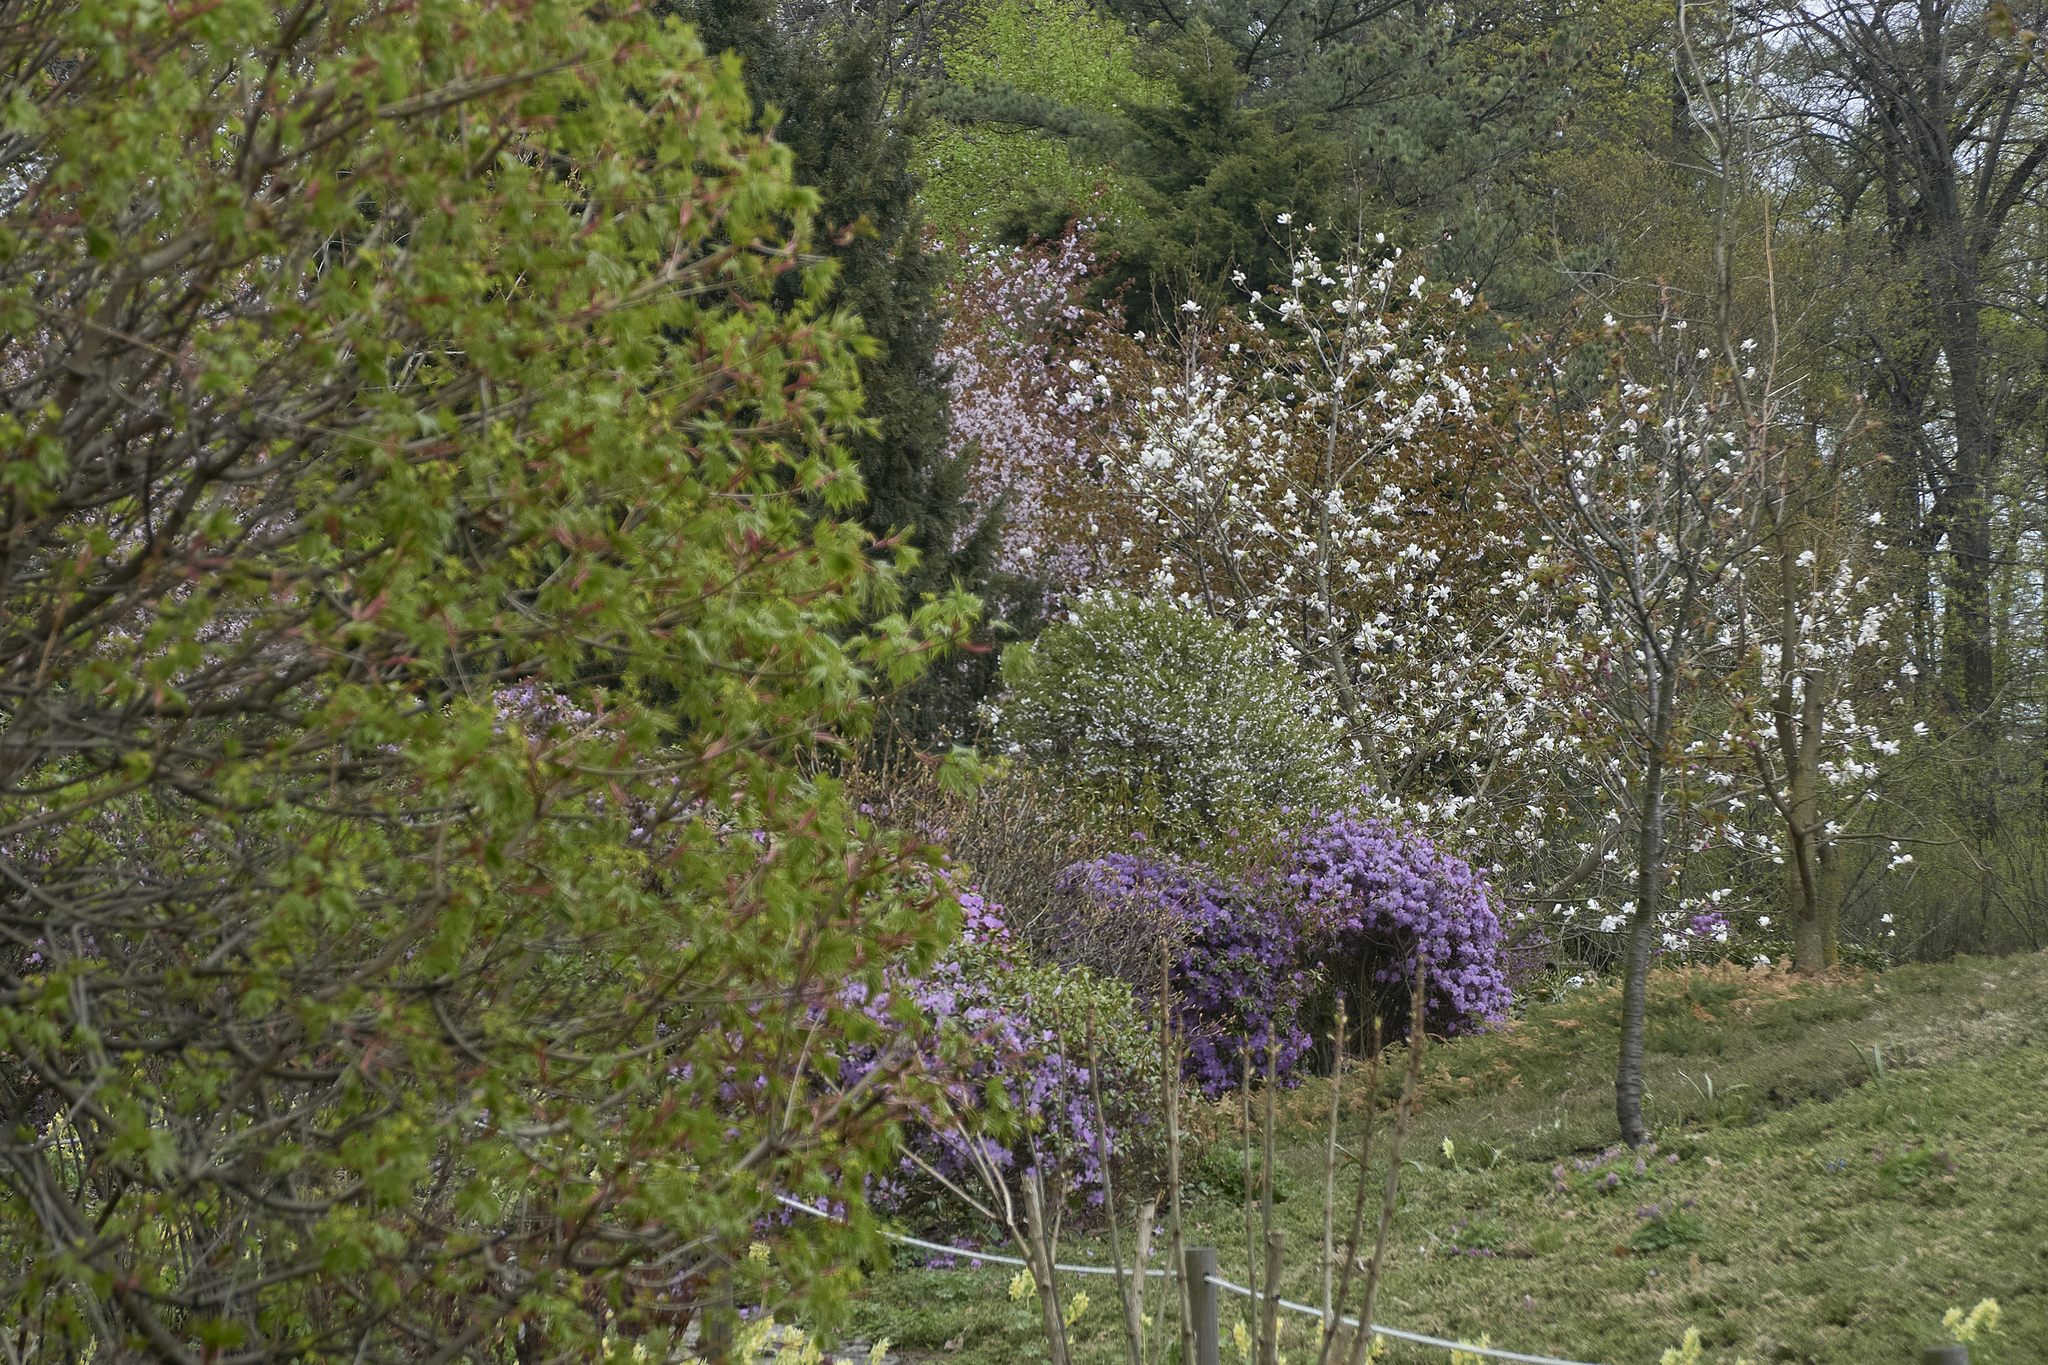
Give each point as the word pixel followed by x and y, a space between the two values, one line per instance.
pixel 1161 707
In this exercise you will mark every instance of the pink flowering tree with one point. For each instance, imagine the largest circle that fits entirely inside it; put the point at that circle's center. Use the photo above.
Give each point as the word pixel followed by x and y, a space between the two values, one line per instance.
pixel 1031 369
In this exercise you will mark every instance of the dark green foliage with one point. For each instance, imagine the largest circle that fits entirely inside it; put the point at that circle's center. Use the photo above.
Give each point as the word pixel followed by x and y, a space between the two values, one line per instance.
pixel 1377 114
pixel 1214 177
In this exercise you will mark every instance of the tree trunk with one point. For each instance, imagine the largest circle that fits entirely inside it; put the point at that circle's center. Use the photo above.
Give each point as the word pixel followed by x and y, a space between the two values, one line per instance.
pixel 1642 936
pixel 1830 904
pixel 1799 739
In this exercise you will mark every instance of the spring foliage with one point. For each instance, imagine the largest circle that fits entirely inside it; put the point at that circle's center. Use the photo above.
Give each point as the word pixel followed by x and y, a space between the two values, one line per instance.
pixel 425 554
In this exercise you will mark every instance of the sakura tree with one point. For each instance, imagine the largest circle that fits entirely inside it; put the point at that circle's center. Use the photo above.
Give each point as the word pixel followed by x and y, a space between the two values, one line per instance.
pixel 1030 364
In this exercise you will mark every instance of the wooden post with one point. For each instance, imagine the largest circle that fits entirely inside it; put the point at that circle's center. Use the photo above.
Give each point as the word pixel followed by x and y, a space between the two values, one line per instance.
pixel 1196 1268
pixel 1951 1354
pixel 720 1323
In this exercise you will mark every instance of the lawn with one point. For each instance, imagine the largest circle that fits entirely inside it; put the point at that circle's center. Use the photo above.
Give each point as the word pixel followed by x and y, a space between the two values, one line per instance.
pixel 1837 1162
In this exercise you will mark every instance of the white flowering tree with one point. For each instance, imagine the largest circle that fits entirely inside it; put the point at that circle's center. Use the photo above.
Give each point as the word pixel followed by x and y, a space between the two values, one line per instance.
pixel 1807 616
pixel 1326 463
pixel 1658 501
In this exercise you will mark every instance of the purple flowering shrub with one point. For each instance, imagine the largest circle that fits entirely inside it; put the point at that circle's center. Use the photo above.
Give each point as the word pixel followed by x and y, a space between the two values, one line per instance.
pixel 1004 1069
pixel 1347 905
pixel 1239 977
pixel 1374 898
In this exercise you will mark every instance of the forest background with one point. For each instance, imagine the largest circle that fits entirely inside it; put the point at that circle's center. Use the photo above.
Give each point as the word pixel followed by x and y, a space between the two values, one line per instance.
pixel 1837 202
pixel 567 598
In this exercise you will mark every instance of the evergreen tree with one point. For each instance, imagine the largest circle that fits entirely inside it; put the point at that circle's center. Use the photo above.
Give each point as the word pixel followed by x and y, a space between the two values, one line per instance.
pixel 1215 178
pixel 1386 115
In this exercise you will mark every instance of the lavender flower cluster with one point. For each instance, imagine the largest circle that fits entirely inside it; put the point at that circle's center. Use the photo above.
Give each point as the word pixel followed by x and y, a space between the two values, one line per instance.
pixel 1009 1048
pixel 1375 900
pixel 1240 977
pixel 1353 900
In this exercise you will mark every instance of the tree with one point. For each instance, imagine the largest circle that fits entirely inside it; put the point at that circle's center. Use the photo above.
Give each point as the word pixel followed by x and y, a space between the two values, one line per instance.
pixel 1812 611
pixel 392 406
pixel 981 177
pixel 1653 496
pixel 837 87
pixel 1922 124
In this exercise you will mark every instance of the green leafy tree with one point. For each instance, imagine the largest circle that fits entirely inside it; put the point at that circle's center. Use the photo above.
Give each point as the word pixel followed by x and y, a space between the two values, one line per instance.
pixel 391 404
pixel 983 176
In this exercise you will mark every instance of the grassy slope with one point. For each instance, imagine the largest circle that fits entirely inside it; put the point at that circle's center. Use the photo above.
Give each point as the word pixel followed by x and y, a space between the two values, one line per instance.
pixel 1816 1249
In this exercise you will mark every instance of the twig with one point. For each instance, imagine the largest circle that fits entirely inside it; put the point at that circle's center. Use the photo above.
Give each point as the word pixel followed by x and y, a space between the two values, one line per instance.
pixel 1330 1166
pixel 1270 1330
pixel 1372 1100
pixel 1124 1290
pixel 1417 1039
pixel 1169 1080
pixel 1251 1236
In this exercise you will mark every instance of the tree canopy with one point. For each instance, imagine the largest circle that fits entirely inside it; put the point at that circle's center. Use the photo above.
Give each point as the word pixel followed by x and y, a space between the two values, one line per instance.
pixel 431 545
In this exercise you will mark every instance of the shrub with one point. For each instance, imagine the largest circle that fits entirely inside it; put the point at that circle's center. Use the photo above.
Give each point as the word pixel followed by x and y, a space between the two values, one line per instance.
pixel 1020 838
pixel 1240 976
pixel 1347 904
pixel 1009 1056
pixel 1374 899
pixel 1140 700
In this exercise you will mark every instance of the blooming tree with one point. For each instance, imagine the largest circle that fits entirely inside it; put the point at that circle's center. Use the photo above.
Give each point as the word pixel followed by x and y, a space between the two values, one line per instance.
pixel 1029 367
pixel 1326 463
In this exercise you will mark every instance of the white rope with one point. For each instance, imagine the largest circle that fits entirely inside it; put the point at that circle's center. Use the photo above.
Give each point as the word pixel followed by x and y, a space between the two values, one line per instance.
pixel 1417 1337
pixel 975 1255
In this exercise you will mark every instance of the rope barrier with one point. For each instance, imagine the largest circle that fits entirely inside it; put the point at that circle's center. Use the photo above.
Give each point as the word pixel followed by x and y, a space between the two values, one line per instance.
pixel 1417 1337
pixel 974 1255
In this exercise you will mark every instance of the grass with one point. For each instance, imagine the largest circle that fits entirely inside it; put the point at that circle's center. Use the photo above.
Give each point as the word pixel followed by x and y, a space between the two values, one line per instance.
pixel 1838 1162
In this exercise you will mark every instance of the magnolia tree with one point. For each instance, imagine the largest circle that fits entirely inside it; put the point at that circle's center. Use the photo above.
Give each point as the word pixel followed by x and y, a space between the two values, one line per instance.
pixel 1713 643
pixel 428 560
pixel 1812 616
pixel 1813 629
pixel 1656 502
pixel 1325 463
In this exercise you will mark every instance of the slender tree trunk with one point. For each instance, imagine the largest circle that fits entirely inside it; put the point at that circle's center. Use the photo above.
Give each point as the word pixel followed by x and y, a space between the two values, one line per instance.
pixel 1970 642
pixel 1812 933
pixel 1830 903
pixel 1642 937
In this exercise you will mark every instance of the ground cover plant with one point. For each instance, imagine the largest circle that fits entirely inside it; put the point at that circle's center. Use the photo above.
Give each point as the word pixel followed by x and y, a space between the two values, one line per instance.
pixel 1800 1204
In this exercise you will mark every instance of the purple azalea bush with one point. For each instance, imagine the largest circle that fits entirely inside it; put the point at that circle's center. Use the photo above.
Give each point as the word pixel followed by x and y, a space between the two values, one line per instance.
pixel 1239 974
pixel 1373 899
pixel 1350 906
pixel 1008 1049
